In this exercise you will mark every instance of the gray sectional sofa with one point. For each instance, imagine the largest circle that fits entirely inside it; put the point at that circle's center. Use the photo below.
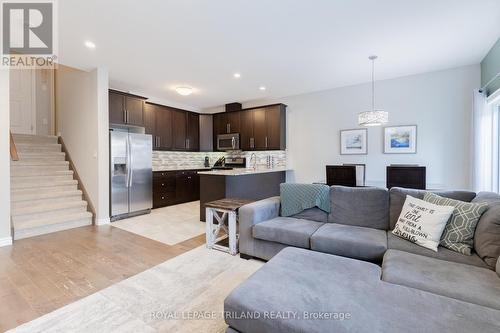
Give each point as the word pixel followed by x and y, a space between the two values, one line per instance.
pixel 325 267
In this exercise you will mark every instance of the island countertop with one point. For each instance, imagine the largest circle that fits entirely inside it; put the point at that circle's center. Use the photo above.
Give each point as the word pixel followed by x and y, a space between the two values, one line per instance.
pixel 240 171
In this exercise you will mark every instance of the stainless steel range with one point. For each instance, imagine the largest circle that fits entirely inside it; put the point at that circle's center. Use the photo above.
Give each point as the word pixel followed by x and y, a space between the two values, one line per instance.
pixel 131 172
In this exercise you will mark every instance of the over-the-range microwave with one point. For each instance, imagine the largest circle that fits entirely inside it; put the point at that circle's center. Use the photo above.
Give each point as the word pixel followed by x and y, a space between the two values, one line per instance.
pixel 228 141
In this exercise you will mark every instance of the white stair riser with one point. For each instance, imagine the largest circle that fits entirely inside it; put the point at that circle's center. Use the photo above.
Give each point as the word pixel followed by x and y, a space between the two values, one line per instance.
pixel 40 172
pixel 37 179
pixel 48 215
pixel 43 191
pixel 47 229
pixel 38 148
pixel 38 163
pixel 35 196
pixel 42 157
pixel 32 139
pixel 41 184
pixel 16 206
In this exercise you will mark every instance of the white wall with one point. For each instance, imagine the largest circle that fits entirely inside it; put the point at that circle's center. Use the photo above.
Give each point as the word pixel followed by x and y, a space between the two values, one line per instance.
pixel 440 103
pixel 5 237
pixel 82 122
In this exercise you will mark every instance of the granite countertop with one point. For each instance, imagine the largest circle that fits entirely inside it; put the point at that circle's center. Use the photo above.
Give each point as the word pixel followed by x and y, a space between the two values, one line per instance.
pixel 240 171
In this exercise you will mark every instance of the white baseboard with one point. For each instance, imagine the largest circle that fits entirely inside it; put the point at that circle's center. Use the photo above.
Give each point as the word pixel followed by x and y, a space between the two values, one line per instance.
pixel 103 221
pixel 6 241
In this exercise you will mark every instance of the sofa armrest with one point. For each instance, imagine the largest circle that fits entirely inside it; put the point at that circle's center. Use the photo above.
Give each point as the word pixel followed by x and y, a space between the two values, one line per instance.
pixel 252 214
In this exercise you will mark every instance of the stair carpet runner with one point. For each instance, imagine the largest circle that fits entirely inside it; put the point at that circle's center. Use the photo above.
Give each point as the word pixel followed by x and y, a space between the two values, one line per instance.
pixel 44 195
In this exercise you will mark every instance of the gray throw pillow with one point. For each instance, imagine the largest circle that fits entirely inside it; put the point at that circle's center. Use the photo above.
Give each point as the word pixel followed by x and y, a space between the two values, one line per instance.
pixel 459 232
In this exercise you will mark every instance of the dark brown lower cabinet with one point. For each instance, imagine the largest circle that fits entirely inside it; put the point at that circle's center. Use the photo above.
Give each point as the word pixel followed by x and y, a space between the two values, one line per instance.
pixel 175 187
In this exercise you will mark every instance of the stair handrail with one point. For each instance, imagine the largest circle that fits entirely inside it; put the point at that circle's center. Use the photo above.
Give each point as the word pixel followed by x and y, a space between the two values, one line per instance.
pixel 13 148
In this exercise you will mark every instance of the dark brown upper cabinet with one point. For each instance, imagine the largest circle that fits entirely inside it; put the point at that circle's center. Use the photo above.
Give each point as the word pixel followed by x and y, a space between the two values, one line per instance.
pixel 233 122
pixel 126 109
pixel 150 119
pixel 193 132
pixel 246 132
pixel 276 127
pixel 262 128
pixel 179 129
pixel 172 129
pixel 163 132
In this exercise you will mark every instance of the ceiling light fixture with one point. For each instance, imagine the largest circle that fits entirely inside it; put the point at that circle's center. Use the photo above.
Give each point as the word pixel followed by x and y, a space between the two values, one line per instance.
pixel 373 117
pixel 262 88
pixel 184 91
pixel 90 45
pixel 237 75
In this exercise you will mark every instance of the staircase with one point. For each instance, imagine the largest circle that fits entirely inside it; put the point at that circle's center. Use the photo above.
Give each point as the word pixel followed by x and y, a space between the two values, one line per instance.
pixel 44 196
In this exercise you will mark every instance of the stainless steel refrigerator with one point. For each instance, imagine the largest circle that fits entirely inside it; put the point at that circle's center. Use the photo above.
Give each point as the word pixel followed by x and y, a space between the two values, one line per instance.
pixel 131 173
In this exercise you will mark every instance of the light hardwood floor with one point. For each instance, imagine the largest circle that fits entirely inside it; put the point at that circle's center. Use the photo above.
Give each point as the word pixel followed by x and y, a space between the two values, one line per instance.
pixel 44 273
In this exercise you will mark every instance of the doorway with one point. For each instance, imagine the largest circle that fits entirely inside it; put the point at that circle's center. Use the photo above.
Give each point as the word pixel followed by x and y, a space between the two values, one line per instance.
pixel 32 101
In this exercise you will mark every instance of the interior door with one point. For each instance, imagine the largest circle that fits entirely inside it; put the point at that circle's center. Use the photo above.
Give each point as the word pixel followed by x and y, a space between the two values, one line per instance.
pixel 22 106
pixel 141 173
pixel 119 172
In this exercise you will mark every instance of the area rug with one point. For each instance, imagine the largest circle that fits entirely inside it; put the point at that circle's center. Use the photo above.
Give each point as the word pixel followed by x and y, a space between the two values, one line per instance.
pixel 184 294
pixel 168 225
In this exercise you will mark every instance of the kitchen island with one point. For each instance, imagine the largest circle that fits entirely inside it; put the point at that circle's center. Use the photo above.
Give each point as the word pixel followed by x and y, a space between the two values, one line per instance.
pixel 239 183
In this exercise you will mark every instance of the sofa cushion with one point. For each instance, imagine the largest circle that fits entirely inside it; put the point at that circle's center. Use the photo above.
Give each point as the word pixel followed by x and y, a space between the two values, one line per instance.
pixel 398 197
pixel 396 243
pixel 313 214
pixel 463 282
pixel 487 235
pixel 360 206
pixel 307 282
pixel 350 241
pixel 286 230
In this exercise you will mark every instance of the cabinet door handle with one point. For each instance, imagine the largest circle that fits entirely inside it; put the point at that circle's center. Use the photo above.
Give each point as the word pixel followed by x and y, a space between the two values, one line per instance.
pixel 252 143
pixel 124 115
pixel 266 141
pixel 233 142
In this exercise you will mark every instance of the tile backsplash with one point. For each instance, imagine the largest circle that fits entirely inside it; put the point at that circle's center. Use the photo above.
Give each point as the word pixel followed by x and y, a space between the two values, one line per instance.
pixel 172 160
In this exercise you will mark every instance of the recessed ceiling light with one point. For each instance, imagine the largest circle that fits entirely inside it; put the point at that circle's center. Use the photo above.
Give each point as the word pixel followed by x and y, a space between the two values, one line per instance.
pixel 184 91
pixel 237 75
pixel 90 45
pixel 262 88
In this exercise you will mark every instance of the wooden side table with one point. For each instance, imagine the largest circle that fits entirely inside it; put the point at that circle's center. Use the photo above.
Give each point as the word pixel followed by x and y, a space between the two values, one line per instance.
pixel 225 212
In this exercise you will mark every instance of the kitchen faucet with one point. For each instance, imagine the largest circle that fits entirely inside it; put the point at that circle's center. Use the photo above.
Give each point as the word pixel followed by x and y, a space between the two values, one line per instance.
pixel 254 157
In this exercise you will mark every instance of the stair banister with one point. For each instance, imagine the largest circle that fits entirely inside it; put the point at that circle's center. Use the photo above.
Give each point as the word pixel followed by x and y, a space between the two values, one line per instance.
pixel 13 149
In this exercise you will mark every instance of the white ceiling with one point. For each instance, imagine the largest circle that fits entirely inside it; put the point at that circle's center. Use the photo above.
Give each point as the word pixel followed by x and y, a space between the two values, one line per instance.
pixel 289 46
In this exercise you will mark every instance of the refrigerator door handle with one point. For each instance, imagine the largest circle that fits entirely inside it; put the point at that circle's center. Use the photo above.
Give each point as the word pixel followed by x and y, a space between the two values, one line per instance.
pixel 129 152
